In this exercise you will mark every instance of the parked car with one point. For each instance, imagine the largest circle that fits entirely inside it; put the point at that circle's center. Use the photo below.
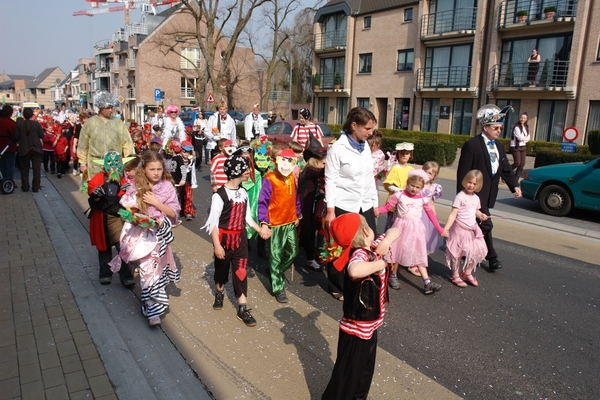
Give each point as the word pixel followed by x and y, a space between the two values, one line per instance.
pixel 560 188
pixel 280 131
pixel 188 117
pixel 237 116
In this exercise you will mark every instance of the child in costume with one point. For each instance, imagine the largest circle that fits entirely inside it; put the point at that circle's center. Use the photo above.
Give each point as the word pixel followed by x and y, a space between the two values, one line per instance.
pixel 432 191
pixel 365 298
pixel 397 175
pixel 48 148
pixel 129 169
pixel 229 216
pixel 261 151
pixel 61 148
pixel 217 175
pixel 176 167
pixel 279 213
pixel 375 142
pixel 152 210
pixel 105 190
pixel 187 193
pixel 299 152
pixel 311 194
pixel 411 248
pixel 465 237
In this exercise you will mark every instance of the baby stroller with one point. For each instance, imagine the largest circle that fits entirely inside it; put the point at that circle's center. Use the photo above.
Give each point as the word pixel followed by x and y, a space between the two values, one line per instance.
pixel 7 186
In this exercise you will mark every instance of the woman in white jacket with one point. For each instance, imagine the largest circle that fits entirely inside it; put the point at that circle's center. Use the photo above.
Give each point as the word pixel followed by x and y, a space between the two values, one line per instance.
pixel 518 144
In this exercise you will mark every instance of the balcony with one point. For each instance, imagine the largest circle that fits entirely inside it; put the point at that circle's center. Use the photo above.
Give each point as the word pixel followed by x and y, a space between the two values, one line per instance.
pixel 327 81
pixel 119 36
pixel 130 64
pixel 460 22
pixel 330 41
pixel 534 10
pixel 102 72
pixel 552 75
pixel 114 68
pixel 136 29
pixel 436 78
pixel 130 94
pixel 187 93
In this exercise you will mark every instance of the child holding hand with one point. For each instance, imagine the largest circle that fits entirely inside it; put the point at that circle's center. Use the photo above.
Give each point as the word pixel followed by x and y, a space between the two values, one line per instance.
pixel 411 248
pixel 465 237
pixel 366 273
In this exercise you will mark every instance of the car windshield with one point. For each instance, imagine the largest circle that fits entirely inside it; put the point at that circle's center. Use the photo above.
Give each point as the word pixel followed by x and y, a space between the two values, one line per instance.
pixel 186 117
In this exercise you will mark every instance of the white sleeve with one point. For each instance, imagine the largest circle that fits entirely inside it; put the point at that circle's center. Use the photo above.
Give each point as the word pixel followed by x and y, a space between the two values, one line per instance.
pixel 216 207
pixel 332 174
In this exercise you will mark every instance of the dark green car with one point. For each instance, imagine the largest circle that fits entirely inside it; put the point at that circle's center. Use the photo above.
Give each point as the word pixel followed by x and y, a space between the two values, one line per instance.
pixel 559 188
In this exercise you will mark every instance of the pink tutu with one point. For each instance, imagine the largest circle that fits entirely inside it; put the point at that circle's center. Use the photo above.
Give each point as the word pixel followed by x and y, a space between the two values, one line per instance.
pixel 411 247
pixel 432 236
pixel 465 241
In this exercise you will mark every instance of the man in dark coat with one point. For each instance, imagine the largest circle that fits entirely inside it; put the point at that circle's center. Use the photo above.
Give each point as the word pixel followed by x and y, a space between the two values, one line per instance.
pixel 488 156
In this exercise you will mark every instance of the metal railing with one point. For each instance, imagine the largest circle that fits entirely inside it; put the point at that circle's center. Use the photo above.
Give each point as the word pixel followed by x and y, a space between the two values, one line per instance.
pixel 119 35
pixel 330 41
pixel 459 20
pixel 279 95
pixel 114 68
pixel 131 93
pixel 453 77
pixel 187 93
pixel 548 74
pixel 327 80
pixel 533 10
pixel 136 29
pixel 130 63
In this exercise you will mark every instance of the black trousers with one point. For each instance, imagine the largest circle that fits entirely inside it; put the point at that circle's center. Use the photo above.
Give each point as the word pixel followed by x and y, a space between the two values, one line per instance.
pixel 35 161
pixel 354 367
pixel 104 258
pixel 237 261
pixel 486 229
pixel 49 158
pixel 335 277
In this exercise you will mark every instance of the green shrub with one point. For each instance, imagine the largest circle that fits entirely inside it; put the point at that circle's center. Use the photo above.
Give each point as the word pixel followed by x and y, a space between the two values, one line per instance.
pixel 442 153
pixel 594 142
pixel 551 157
pixel 533 147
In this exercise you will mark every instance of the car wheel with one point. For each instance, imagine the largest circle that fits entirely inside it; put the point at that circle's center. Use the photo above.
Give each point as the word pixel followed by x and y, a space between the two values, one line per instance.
pixel 555 200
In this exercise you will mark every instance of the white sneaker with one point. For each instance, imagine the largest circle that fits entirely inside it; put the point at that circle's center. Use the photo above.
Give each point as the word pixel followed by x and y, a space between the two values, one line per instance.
pixel 314 265
pixel 75 172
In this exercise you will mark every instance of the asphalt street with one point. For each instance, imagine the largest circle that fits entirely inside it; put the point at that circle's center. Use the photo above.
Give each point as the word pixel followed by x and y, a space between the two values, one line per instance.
pixel 529 330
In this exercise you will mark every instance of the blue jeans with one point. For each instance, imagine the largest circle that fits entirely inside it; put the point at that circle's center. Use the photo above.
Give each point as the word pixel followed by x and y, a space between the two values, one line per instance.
pixel 7 165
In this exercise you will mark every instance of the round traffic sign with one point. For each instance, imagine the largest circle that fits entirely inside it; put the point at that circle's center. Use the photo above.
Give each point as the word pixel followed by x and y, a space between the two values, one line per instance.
pixel 570 134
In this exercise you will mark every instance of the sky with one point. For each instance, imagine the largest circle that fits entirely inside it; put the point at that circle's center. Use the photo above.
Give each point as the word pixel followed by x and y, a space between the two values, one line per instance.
pixel 40 34
pixel 44 34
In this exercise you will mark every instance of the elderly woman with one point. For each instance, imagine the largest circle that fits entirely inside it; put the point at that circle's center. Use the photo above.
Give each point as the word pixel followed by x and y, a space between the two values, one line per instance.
pixel 349 183
pixel 173 127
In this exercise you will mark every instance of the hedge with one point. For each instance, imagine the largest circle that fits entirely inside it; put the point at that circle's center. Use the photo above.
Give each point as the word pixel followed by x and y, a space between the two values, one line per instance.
pixel 549 156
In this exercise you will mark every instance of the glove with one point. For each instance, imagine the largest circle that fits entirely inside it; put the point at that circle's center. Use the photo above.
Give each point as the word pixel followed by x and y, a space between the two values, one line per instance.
pixel 125 186
pixel 98 192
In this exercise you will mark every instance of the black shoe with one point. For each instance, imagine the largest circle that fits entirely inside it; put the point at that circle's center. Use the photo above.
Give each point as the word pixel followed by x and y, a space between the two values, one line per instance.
pixel 128 282
pixel 219 296
pixel 59 175
pixel 431 287
pixel 106 280
pixel 281 297
pixel 188 217
pixel 245 316
pixel 494 264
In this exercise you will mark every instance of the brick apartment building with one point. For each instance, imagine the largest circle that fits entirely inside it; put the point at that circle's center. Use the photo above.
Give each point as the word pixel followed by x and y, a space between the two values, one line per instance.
pixel 149 55
pixel 429 65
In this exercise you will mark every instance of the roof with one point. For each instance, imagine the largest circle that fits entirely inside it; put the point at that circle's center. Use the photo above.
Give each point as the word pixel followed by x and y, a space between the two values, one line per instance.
pixel 6 85
pixel 358 7
pixel 21 77
pixel 41 77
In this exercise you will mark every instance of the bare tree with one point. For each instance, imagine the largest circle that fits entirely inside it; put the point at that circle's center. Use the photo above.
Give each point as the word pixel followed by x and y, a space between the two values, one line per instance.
pixel 299 50
pixel 275 13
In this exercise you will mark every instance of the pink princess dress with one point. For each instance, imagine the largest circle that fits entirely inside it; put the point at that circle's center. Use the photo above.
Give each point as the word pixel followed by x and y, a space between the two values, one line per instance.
pixel 411 247
pixel 149 249
pixel 433 192
pixel 466 239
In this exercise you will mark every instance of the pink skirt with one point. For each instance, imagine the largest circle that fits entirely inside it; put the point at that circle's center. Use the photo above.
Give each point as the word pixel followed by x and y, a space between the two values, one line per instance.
pixel 411 247
pixel 432 236
pixel 465 241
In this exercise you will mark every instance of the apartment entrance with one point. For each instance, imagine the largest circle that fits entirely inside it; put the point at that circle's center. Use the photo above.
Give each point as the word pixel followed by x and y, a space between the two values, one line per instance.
pixel 382 111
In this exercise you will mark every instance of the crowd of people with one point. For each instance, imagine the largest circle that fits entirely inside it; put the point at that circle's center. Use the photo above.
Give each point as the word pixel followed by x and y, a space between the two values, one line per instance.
pixel 324 200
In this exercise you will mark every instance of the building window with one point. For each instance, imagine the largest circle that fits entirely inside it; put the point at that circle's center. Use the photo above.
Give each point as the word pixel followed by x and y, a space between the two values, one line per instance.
pixel 365 62
pixel 367 22
pixel 189 58
pixel 328 69
pixel 593 123
pixel 405 60
pixel 342 110
pixel 462 116
pixel 362 102
pixel 551 120
pixel 322 109
pixel 513 116
pixel 408 15
pixel 187 87
pixel 42 91
pixel 430 115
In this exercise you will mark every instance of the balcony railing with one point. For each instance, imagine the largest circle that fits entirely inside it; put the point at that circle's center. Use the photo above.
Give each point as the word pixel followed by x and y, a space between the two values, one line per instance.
pixel 519 75
pixel 279 95
pixel 114 68
pixel 444 77
pixel 130 63
pixel 508 10
pixel 461 20
pixel 131 93
pixel 330 41
pixel 187 93
pixel 136 29
pixel 327 80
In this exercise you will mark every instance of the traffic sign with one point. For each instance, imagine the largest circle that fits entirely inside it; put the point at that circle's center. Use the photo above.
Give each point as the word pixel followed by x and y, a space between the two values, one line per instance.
pixel 568 147
pixel 570 134
pixel 121 99
pixel 157 94
pixel 210 98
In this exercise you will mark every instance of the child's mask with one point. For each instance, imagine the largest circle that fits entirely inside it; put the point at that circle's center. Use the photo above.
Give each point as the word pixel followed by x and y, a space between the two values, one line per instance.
pixel 286 160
